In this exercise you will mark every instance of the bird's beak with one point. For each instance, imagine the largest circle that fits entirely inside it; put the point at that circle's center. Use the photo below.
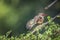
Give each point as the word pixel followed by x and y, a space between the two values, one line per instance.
pixel 44 14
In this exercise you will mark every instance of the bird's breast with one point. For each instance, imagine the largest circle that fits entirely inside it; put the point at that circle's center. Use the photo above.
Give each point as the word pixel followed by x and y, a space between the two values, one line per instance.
pixel 40 21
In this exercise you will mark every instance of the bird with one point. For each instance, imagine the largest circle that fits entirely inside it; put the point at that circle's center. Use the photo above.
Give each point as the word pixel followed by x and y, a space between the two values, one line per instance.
pixel 38 19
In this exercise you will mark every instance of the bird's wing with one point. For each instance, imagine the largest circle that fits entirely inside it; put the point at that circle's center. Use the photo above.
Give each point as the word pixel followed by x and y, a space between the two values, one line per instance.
pixel 30 24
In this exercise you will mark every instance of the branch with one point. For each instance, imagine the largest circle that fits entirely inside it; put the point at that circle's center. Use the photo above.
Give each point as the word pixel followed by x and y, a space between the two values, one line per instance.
pixel 51 4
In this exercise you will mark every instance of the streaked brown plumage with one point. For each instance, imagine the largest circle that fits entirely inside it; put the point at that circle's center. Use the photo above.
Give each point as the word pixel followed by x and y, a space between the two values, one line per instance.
pixel 38 19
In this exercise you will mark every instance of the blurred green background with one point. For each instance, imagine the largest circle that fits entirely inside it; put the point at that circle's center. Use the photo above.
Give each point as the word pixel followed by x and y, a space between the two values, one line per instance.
pixel 14 14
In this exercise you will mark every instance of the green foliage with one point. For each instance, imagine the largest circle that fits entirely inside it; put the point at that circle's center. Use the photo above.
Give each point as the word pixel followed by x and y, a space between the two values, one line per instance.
pixel 52 32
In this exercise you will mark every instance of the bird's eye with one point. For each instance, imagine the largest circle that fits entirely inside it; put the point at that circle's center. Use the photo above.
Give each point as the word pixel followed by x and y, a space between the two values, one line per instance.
pixel 40 17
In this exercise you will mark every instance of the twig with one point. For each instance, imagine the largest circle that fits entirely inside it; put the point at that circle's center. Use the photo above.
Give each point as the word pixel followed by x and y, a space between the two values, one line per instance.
pixel 51 4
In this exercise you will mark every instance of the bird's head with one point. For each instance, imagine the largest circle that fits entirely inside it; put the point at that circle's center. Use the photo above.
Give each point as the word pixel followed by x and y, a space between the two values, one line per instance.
pixel 42 14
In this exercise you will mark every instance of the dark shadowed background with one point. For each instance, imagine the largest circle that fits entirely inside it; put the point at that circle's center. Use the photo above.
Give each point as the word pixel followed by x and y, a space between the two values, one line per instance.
pixel 14 14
